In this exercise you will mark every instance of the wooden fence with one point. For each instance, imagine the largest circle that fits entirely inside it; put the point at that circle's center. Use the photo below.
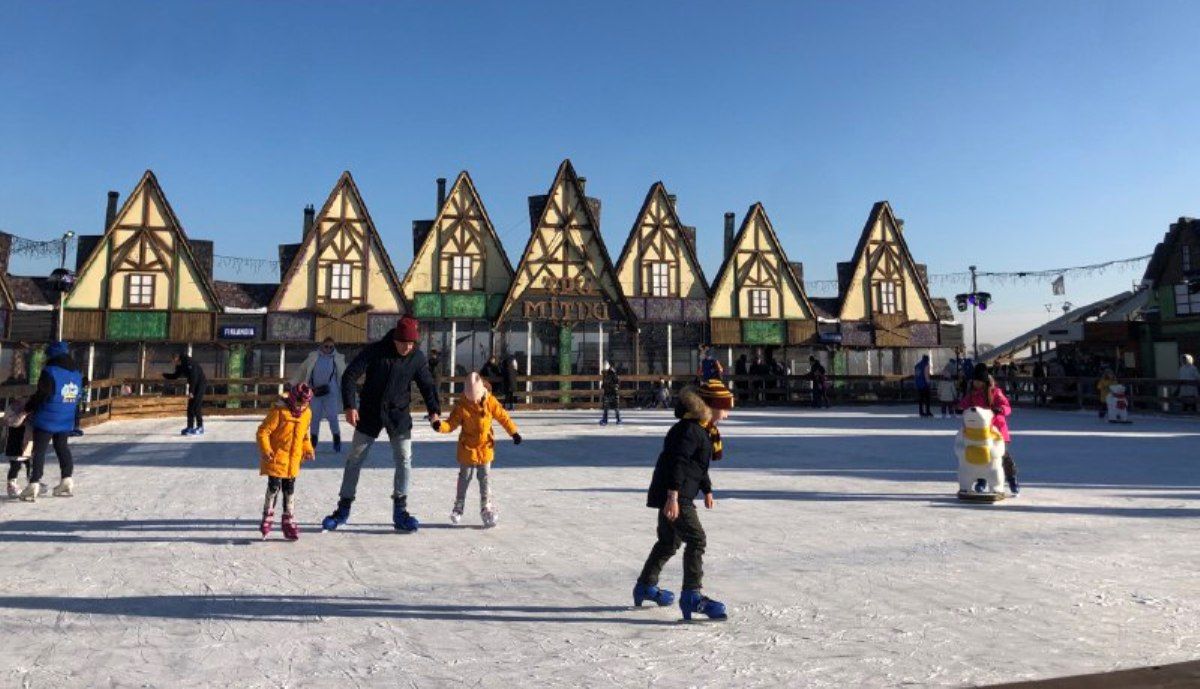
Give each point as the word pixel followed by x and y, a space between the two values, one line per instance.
pixel 134 398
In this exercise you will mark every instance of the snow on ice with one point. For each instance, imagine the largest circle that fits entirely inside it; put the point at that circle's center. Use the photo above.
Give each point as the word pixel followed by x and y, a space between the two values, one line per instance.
pixel 836 542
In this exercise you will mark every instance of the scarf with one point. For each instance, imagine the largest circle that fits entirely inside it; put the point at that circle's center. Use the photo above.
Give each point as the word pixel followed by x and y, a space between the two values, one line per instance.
pixel 715 436
pixel 298 398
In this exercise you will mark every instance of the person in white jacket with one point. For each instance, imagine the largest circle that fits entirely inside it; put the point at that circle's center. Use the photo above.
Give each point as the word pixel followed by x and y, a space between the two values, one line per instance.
pixel 1187 393
pixel 323 370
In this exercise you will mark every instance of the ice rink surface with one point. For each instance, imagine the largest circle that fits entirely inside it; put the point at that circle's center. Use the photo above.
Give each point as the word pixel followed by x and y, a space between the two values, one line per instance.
pixel 836 542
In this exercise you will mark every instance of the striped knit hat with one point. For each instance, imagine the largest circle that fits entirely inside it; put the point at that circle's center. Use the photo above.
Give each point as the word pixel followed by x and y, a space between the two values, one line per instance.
pixel 716 395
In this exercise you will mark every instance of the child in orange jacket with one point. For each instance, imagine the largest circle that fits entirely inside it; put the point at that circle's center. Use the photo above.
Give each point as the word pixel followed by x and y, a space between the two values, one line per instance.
pixel 284 442
pixel 474 413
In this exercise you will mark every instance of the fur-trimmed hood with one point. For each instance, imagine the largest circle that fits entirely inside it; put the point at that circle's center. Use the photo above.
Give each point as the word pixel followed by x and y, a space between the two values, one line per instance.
pixel 689 405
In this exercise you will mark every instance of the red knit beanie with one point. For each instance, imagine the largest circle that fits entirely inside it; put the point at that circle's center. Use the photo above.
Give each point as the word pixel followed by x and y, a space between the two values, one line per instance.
pixel 716 395
pixel 406 330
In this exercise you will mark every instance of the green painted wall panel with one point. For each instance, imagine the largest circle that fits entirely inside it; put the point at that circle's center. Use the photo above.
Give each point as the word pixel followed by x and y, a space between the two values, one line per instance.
pixel 763 332
pixel 464 305
pixel 495 303
pixel 427 305
pixel 137 325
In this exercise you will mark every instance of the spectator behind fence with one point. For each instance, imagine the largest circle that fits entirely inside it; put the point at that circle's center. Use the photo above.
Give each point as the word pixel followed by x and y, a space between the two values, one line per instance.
pixel 1187 391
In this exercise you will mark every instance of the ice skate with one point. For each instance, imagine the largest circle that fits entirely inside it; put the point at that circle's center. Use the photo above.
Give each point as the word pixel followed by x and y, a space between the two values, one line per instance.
pixel 489 517
pixel 401 519
pixel 1013 487
pixel 337 443
pixel 645 592
pixel 693 602
pixel 290 530
pixel 264 527
pixel 199 430
pixel 31 492
pixel 340 515
pixel 188 431
pixel 14 489
pixel 65 488
pixel 456 513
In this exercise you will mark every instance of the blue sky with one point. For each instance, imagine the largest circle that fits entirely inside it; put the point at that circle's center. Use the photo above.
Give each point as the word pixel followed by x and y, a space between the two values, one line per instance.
pixel 1015 135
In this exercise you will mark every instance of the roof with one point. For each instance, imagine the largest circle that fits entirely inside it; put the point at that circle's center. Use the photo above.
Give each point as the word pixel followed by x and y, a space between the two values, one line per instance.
pixel 686 232
pixel 845 275
pixel 244 295
pixel 1162 251
pixel 825 307
pixel 1119 307
pixel 788 268
pixel 941 308
pixel 32 291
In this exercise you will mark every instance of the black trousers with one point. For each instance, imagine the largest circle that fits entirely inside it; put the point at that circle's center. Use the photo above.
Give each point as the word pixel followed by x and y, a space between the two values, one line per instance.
pixel 671 534
pixel 1010 468
pixel 195 411
pixel 275 484
pixel 14 468
pixel 924 400
pixel 41 442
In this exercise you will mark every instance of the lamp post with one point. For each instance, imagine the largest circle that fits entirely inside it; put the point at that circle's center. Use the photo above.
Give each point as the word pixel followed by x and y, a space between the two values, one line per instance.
pixel 62 279
pixel 978 301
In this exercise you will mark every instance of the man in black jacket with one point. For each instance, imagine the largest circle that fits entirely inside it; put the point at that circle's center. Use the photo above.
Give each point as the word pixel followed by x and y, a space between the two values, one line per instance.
pixel 188 370
pixel 681 474
pixel 391 366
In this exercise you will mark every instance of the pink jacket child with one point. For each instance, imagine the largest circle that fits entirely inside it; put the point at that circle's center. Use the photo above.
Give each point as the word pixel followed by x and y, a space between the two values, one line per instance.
pixel 984 393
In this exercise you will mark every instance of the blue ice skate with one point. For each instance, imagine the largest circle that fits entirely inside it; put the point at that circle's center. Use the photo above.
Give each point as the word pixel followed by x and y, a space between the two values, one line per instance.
pixel 692 601
pixel 401 519
pixel 199 430
pixel 1013 487
pixel 645 592
pixel 980 486
pixel 340 516
pixel 188 431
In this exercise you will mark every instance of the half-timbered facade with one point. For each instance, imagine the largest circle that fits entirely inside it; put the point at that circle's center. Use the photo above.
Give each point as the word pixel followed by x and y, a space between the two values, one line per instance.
pixel 758 299
pixel 661 277
pixel 339 281
pixel 1173 280
pixel 565 294
pixel 884 298
pixel 143 280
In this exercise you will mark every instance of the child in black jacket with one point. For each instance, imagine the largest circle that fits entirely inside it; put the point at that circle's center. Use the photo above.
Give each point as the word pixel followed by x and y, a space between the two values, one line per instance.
pixel 681 474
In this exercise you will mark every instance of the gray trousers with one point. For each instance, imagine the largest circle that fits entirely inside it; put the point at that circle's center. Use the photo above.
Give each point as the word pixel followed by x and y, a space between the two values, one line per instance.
pixel 360 449
pixel 465 474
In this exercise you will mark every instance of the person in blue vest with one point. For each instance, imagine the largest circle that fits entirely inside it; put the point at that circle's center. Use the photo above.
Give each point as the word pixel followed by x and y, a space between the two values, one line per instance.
pixel 51 411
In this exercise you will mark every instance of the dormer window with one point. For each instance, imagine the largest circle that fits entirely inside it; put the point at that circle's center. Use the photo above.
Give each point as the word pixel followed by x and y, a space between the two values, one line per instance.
pixel 139 291
pixel 340 282
pixel 460 273
pixel 886 301
pixel 660 280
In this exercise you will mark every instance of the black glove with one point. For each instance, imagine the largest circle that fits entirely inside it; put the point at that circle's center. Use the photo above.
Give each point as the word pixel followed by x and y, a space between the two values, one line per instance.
pixel 437 425
pixel 517 438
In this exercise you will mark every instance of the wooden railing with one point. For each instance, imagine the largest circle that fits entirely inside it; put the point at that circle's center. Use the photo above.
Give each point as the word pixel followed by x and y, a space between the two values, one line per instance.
pixel 132 398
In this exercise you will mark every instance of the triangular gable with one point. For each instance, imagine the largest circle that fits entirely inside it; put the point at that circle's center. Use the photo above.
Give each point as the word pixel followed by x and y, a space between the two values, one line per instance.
pixel 342 232
pixel 566 237
pixel 758 257
pixel 883 249
pixel 659 227
pixel 1166 263
pixel 465 229
pixel 146 238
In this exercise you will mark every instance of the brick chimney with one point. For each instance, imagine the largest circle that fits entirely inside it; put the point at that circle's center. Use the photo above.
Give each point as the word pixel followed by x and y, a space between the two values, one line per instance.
pixel 310 217
pixel 441 194
pixel 728 234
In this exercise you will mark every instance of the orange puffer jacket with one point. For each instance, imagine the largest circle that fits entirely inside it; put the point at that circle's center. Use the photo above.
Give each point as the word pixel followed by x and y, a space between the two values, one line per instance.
pixel 476 442
pixel 284 442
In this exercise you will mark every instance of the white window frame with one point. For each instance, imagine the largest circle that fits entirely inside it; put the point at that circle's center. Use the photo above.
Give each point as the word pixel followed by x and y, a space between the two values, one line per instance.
pixel 462 269
pixel 341 282
pixel 1186 304
pixel 887 297
pixel 660 279
pixel 760 302
pixel 140 290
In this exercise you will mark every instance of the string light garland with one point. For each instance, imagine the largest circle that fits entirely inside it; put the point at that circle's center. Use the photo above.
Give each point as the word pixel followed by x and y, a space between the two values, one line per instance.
pixel 33 248
pixel 1009 277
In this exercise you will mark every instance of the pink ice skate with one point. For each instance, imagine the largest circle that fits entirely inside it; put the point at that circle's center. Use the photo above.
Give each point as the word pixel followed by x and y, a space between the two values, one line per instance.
pixel 265 526
pixel 290 530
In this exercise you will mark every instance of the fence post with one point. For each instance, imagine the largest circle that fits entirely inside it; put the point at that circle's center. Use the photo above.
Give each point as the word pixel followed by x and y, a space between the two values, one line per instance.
pixel 1079 392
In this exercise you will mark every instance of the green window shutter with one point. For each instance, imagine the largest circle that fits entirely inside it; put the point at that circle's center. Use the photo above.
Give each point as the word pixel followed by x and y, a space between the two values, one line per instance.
pixel 763 332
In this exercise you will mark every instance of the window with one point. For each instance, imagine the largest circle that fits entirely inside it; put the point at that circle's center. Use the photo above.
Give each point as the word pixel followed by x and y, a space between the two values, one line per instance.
pixel 340 282
pixel 660 279
pixel 1187 302
pixel 760 302
pixel 885 297
pixel 460 273
pixel 139 291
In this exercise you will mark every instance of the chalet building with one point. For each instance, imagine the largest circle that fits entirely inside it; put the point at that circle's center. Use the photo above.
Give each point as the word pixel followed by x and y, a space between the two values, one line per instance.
pixel 337 282
pixel 1172 316
pixel 662 279
pixel 458 278
pixel 887 317
pixel 565 308
pixel 27 318
pixel 758 304
pixel 143 289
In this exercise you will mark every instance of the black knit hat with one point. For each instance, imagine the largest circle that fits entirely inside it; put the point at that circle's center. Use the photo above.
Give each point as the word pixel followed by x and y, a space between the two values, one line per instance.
pixel 980 373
